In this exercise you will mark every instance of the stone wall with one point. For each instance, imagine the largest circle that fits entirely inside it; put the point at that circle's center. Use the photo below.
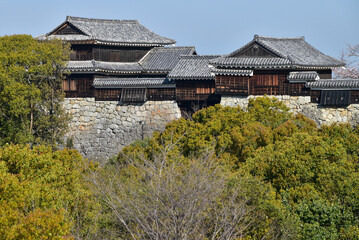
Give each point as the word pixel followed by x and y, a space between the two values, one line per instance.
pixel 100 129
pixel 321 115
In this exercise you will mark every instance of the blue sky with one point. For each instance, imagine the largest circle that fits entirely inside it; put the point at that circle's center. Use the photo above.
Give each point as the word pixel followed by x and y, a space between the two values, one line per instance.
pixel 213 27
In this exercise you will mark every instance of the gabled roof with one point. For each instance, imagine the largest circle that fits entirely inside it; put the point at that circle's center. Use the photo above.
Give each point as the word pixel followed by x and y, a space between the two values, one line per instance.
pixel 193 68
pixel 164 59
pixel 104 31
pixel 333 84
pixel 99 66
pixel 303 76
pixel 300 53
pixel 118 82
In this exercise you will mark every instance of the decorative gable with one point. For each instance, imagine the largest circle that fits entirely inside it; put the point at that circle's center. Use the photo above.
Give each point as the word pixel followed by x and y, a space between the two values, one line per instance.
pixel 67 29
pixel 253 50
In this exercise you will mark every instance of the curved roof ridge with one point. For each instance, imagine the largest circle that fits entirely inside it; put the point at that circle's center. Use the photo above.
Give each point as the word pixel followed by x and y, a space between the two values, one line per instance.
pixel 166 48
pixel 200 56
pixel 256 36
pixel 113 32
pixel 72 18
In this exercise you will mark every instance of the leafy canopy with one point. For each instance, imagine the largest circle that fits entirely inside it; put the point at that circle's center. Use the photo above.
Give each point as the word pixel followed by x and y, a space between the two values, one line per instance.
pixel 314 170
pixel 42 194
pixel 31 74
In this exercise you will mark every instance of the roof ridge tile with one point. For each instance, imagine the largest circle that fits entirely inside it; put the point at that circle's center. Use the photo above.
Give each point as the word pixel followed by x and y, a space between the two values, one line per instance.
pixel 72 18
pixel 200 56
pixel 278 38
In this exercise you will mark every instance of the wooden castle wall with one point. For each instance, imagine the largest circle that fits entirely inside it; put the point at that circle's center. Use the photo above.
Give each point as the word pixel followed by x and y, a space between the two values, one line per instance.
pixel 261 83
pixel 188 90
pixel 123 54
pixel 80 86
pixel 107 53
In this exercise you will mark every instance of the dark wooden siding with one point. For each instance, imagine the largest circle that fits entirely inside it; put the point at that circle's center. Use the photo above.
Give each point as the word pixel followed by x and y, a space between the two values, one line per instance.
pixel 194 90
pixel 160 94
pixel 81 52
pixel 83 86
pixel 107 94
pixel 261 83
pixel 107 54
pixel 325 74
pixel 268 82
pixel 297 89
pixel 254 51
pixel 354 98
pixel 232 85
pixel 116 54
pixel 67 29
pixel 335 98
pixel 314 96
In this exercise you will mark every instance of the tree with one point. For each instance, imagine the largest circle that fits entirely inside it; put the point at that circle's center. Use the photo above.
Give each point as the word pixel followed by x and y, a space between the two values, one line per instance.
pixel 350 56
pixel 186 198
pixel 43 195
pixel 313 170
pixel 31 74
pixel 316 177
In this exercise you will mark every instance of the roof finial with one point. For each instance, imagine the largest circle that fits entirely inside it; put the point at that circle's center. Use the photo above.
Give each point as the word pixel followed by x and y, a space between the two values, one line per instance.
pixel 256 36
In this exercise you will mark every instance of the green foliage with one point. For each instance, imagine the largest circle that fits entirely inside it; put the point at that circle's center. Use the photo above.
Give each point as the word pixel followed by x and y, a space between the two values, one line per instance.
pixel 322 220
pixel 31 74
pixel 42 195
pixel 268 111
pixel 313 171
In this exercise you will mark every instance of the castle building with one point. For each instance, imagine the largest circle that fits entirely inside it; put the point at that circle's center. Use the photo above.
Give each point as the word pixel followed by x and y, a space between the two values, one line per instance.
pixel 121 60
pixel 126 81
pixel 117 60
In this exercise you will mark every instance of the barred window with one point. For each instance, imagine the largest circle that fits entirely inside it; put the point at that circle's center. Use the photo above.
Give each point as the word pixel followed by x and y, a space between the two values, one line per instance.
pixel 130 95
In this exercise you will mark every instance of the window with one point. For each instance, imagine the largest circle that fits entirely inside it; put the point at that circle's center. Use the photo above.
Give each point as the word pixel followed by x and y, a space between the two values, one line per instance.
pixel 69 85
pixel 130 95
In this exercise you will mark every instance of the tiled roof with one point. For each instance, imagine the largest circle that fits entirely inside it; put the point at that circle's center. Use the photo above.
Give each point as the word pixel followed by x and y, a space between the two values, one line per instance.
pixel 69 37
pixel 193 68
pixel 99 66
pixel 303 76
pixel 164 59
pixel 251 62
pixel 297 50
pixel 132 82
pixel 233 72
pixel 122 32
pixel 334 84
